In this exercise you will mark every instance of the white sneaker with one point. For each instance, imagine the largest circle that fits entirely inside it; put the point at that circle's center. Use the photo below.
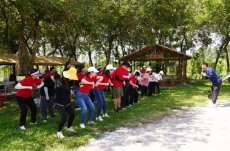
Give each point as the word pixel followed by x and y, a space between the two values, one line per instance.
pixel 60 135
pixel 31 123
pixel 99 118
pixel 44 121
pixel 211 104
pixel 91 122
pixel 70 129
pixel 22 127
pixel 82 125
pixel 106 115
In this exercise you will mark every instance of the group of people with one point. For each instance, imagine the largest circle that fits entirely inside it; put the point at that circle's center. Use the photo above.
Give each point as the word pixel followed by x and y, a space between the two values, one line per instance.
pixel 57 89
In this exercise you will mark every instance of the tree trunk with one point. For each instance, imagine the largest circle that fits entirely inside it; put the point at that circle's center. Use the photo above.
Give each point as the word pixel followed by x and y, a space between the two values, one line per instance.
pixel 23 65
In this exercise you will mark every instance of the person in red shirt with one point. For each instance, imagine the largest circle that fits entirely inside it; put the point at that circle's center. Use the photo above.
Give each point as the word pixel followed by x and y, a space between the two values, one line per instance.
pixel 133 88
pixel 119 77
pixel 125 97
pixel 80 76
pixel 143 70
pixel 99 93
pixel 24 96
pixel 83 100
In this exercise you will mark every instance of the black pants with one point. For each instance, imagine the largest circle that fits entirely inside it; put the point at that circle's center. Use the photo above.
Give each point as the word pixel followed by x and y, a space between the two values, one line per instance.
pixel 151 87
pixel 156 84
pixel 47 104
pixel 133 95
pixel 143 91
pixel 215 92
pixel 65 111
pixel 23 103
pixel 125 97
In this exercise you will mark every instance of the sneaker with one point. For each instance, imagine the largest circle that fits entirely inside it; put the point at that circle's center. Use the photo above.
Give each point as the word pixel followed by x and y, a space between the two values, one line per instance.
pixel 155 95
pixel 211 104
pixel 82 125
pixel 99 118
pixel 160 93
pixel 91 122
pixel 70 129
pixel 31 123
pixel 22 127
pixel 105 115
pixel 60 135
pixel 77 108
pixel 44 121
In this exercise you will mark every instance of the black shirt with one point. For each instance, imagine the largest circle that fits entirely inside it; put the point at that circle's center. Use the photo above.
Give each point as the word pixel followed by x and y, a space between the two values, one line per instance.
pixel 49 83
pixel 62 92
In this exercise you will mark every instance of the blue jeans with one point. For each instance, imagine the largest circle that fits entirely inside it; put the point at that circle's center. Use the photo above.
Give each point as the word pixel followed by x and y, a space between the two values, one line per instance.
pixel 100 98
pixel 85 102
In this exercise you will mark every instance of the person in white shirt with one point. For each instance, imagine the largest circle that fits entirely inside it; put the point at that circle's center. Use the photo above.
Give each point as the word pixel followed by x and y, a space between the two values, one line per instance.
pixel 155 79
pixel 151 83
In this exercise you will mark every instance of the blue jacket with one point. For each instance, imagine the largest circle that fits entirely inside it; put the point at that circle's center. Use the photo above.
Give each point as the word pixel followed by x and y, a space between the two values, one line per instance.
pixel 212 75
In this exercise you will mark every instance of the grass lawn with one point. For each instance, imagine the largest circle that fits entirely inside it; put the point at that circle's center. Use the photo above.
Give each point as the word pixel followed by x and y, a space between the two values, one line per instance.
pixel 42 135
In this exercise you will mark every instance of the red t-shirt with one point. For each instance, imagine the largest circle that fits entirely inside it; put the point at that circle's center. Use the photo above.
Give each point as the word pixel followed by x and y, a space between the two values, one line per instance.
pixel 80 76
pixel 28 81
pixel 47 74
pixel 126 73
pixel 120 72
pixel 112 76
pixel 133 79
pixel 86 87
pixel 143 70
pixel 104 80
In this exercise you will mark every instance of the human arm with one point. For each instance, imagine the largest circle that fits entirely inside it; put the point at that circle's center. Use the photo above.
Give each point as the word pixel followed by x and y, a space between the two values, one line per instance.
pixel 46 93
pixel 19 86
pixel 40 85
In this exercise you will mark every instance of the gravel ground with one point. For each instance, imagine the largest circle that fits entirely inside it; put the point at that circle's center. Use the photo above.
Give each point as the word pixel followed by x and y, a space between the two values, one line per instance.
pixel 197 129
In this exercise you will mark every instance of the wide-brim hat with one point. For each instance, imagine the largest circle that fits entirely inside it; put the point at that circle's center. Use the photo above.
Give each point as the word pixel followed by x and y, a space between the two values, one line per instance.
pixel 161 72
pixel 71 74
pixel 148 69
pixel 92 69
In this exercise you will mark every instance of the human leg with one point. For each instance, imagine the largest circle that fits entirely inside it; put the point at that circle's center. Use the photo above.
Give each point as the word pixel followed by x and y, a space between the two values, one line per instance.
pixel 50 104
pixel 71 115
pixel 33 108
pixel 23 108
pixel 90 106
pixel 63 114
pixel 82 105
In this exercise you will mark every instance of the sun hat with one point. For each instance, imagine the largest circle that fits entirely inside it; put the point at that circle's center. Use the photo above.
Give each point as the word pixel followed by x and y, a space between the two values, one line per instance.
pixel 161 72
pixel 92 69
pixel 71 74
pixel 35 72
pixel 148 69
pixel 109 67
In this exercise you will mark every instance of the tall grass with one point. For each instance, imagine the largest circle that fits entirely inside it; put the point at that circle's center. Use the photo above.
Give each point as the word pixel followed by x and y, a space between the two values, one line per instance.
pixel 42 135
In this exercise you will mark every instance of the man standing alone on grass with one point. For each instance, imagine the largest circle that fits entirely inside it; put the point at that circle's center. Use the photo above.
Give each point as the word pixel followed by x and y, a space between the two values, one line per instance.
pixel 119 77
pixel 216 82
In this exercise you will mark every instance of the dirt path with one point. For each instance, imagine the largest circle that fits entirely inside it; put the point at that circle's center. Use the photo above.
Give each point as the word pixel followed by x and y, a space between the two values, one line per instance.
pixel 198 129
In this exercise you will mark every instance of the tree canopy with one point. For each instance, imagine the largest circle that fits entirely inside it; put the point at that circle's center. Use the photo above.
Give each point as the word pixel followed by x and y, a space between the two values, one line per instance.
pixel 108 30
